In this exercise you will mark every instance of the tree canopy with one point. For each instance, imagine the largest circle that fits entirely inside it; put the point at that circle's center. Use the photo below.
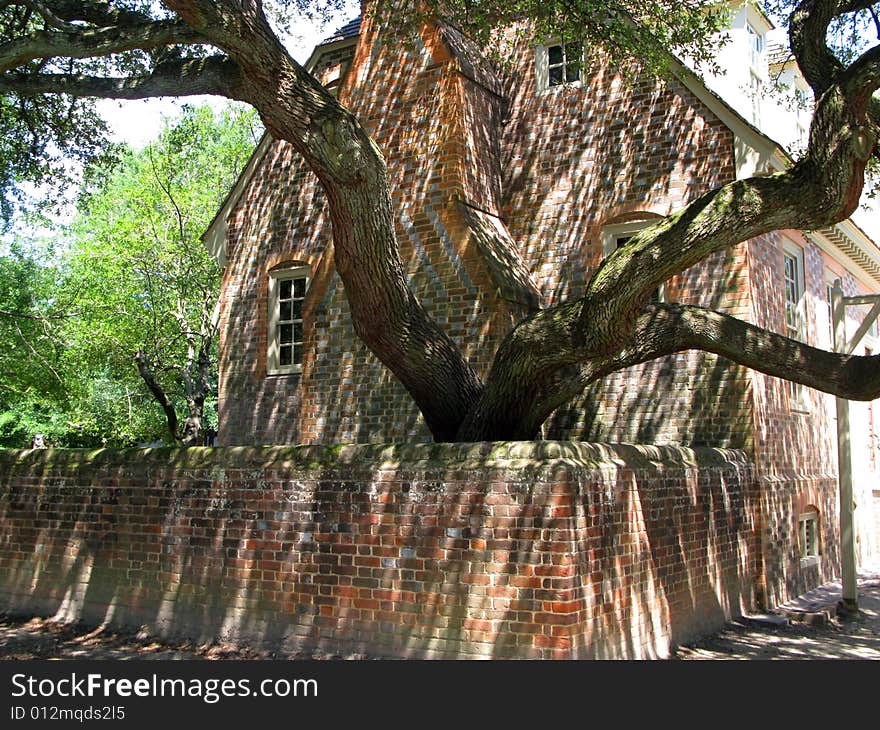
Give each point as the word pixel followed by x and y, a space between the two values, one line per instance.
pixel 112 339
pixel 128 49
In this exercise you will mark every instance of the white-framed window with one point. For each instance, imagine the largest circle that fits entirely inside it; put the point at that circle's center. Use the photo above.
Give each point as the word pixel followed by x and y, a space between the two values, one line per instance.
pixel 793 283
pixel 756 91
pixel 830 278
pixel 616 235
pixel 795 319
pixel 287 293
pixel 808 535
pixel 756 46
pixel 559 64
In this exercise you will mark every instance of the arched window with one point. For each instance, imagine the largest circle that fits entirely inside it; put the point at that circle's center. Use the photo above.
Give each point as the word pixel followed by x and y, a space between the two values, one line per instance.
pixel 616 235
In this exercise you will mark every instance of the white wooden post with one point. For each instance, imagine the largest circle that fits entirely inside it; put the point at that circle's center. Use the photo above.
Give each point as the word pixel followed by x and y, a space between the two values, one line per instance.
pixel 844 445
pixel 844 464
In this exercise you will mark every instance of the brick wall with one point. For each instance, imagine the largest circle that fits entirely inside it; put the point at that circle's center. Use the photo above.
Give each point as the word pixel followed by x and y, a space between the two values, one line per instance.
pixel 552 167
pixel 544 550
pixel 795 447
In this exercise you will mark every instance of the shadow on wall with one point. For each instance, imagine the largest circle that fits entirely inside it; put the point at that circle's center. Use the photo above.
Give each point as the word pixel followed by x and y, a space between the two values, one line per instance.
pixel 552 550
pixel 568 160
pixel 693 399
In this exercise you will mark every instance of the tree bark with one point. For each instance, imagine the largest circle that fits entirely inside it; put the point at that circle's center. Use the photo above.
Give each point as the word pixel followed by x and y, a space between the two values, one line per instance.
pixel 145 370
pixel 385 313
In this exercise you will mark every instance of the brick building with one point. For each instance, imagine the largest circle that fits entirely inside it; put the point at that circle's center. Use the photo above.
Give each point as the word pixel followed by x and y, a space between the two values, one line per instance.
pixel 565 162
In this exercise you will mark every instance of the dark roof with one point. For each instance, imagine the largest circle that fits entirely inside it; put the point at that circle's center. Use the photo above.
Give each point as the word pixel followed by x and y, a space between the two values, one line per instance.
pixel 350 30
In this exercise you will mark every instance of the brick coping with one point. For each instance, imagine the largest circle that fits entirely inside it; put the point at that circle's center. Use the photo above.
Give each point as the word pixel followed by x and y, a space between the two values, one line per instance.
pixel 461 456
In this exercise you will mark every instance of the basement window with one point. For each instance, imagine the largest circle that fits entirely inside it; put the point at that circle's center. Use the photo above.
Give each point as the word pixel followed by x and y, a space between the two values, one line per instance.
pixel 808 536
pixel 287 293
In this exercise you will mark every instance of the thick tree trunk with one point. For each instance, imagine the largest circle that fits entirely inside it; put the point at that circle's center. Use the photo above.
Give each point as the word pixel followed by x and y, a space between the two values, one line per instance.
pixel 385 313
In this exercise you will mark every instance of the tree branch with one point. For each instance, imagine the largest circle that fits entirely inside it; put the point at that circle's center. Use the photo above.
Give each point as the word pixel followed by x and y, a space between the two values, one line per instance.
pixel 862 78
pixel 216 75
pixel 96 13
pixel 87 43
pixel 158 392
pixel 668 328
pixel 43 11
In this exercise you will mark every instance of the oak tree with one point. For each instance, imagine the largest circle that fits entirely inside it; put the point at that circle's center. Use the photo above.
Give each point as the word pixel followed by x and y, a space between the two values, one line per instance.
pixel 132 49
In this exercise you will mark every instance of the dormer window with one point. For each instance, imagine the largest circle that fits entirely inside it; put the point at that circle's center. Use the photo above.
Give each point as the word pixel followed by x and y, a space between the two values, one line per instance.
pixel 756 46
pixel 564 63
pixel 756 91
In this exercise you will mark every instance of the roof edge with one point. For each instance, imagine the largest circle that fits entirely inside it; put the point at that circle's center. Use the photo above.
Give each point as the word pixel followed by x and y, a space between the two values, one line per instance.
pixel 214 236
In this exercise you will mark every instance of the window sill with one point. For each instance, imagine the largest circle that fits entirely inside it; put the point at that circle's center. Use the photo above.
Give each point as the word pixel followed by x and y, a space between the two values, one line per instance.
pixel 548 89
pixel 290 371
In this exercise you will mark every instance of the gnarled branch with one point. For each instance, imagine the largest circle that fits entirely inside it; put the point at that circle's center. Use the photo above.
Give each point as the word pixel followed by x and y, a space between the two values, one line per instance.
pixel 90 43
pixel 214 75
pixel 669 328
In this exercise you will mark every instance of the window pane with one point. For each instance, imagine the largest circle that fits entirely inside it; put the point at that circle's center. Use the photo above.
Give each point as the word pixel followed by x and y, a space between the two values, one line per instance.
pixel 792 295
pixel 554 54
pixel 556 76
pixel 573 56
pixel 285 346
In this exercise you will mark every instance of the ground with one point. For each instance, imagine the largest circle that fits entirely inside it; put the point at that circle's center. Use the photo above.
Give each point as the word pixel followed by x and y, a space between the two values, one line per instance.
pixel 39 638
pixel 815 629
pixel 820 635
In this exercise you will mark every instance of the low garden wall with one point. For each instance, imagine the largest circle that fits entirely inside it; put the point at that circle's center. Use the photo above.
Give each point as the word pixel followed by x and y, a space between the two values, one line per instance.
pixel 526 550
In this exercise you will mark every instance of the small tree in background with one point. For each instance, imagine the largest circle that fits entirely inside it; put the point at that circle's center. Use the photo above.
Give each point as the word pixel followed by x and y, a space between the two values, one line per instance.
pixel 112 341
pixel 144 287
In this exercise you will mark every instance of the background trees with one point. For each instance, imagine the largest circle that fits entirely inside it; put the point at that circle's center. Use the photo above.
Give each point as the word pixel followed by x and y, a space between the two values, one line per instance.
pixel 114 341
pixel 30 348
pixel 145 289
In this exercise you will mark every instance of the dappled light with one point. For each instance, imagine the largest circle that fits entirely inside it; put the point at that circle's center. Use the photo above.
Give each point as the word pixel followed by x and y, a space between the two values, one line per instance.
pixel 553 550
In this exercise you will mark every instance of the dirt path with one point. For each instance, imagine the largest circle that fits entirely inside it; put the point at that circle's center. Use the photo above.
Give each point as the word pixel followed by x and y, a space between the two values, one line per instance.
pixel 39 638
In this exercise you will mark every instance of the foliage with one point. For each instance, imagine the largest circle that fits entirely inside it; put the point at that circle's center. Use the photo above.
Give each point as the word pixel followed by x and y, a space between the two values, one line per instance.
pixel 135 277
pixel 143 280
pixel 30 350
